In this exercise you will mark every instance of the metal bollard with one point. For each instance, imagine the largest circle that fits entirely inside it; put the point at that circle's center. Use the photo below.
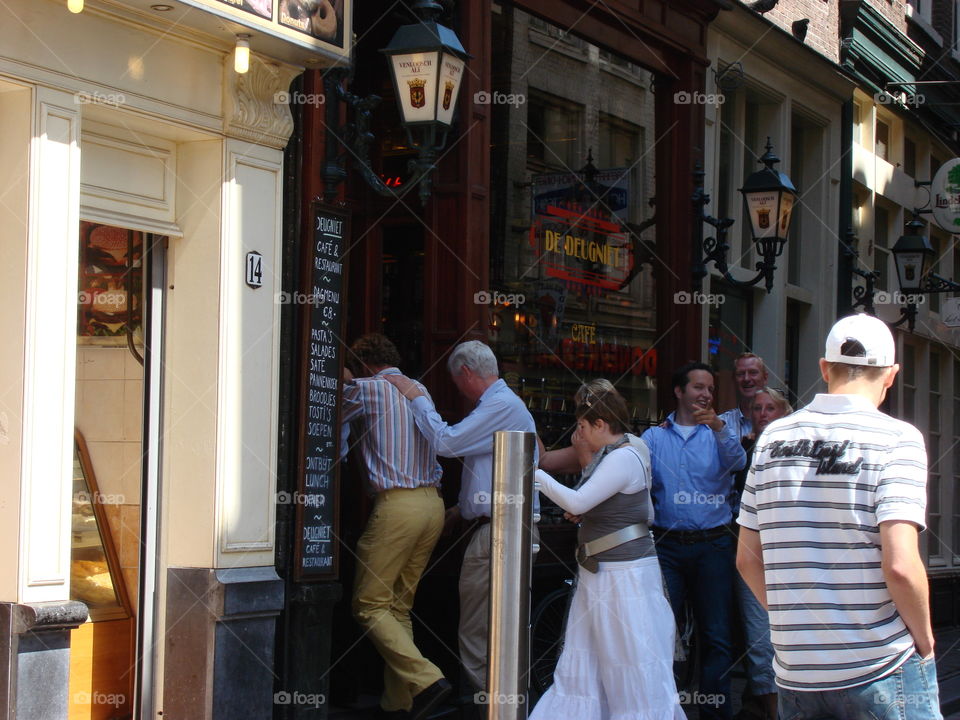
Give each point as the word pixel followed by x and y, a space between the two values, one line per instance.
pixel 511 526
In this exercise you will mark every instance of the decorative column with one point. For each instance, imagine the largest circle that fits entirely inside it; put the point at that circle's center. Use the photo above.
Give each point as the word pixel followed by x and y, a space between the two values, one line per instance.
pixel 40 165
pixel 222 601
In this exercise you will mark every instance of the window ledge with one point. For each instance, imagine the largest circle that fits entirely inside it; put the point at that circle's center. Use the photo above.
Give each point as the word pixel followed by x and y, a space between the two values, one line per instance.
pixel 558 45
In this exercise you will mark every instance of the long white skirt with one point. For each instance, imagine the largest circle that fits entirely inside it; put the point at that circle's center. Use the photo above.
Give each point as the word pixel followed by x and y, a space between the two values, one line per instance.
pixel 617 659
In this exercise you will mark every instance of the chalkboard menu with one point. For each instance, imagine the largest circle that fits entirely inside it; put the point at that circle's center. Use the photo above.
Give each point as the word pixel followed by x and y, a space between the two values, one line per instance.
pixel 321 362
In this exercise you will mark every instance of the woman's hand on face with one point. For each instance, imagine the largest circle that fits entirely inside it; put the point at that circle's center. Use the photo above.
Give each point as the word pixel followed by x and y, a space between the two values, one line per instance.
pixel 584 453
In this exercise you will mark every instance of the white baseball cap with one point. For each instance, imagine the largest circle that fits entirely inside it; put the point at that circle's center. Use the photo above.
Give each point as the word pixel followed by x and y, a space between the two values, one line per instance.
pixel 860 340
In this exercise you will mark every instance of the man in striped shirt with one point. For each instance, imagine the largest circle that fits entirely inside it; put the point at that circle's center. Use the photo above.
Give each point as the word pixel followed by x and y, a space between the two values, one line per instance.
pixel 830 514
pixel 402 531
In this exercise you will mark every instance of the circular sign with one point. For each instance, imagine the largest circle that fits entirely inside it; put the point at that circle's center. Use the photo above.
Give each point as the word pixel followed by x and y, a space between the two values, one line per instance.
pixel 945 196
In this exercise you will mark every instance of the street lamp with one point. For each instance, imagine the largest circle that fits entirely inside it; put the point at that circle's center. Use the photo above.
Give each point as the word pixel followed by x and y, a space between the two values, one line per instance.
pixel 768 199
pixel 427 62
pixel 913 255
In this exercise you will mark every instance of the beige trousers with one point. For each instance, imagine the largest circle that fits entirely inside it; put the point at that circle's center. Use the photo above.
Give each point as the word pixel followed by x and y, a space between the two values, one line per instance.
pixel 391 556
pixel 475 606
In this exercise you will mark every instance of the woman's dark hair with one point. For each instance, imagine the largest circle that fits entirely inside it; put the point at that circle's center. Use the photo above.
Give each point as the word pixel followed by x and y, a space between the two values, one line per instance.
pixel 374 350
pixel 599 400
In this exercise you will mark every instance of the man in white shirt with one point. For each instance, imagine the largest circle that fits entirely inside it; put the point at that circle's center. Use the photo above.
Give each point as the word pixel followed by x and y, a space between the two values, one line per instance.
pixel 473 368
pixel 830 515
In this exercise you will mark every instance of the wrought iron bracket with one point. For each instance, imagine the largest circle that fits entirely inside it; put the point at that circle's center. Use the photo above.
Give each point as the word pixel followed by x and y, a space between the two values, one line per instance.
pixel 933 283
pixel 715 249
pixel 356 137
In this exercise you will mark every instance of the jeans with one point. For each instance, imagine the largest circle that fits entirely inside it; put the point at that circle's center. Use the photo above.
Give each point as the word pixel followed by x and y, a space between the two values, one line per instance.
pixel 758 654
pixel 702 573
pixel 908 693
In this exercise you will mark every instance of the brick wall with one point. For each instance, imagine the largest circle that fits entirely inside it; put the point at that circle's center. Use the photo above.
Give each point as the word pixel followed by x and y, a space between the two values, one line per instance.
pixel 823 30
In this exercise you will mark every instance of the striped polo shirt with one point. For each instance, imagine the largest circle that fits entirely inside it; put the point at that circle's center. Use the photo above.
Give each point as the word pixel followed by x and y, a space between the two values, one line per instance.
pixel 396 453
pixel 822 481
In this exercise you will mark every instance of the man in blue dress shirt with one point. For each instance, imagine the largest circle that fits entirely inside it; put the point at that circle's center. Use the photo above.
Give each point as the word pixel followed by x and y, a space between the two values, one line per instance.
pixel 473 367
pixel 693 455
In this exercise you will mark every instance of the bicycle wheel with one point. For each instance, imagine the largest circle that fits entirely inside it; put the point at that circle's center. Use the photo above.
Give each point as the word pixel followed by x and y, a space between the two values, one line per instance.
pixel 547 626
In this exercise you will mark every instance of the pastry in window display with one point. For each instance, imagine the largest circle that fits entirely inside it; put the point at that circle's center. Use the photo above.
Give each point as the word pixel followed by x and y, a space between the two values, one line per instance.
pixel 90 583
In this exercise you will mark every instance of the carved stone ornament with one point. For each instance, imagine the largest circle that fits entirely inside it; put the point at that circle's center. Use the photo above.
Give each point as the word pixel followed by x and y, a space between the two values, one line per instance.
pixel 256 103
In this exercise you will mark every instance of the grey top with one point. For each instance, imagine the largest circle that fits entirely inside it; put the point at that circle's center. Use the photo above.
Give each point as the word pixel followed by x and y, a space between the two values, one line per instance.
pixel 616 512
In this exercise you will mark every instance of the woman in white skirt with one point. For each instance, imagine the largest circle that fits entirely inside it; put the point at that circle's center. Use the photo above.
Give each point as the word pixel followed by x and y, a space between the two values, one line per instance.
pixel 617 659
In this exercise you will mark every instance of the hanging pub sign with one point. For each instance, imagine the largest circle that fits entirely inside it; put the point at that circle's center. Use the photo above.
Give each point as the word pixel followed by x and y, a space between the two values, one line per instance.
pixel 578 231
pixel 321 363
pixel 945 196
pixel 323 26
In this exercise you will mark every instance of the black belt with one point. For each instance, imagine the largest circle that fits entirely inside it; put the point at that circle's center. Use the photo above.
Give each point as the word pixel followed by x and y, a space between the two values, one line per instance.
pixel 689 537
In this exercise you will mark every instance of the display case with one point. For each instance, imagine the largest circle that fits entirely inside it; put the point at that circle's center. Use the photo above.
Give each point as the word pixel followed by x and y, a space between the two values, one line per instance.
pixel 95 576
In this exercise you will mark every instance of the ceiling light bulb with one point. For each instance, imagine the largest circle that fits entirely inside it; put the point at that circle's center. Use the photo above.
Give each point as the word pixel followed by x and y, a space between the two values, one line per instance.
pixel 75 6
pixel 241 55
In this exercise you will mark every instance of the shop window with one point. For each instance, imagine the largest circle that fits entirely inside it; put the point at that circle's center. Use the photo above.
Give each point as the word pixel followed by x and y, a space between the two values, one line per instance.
pixel 909 157
pixel 806 152
pixel 938 242
pixel 858 115
pixel 920 9
pixel 881 246
pixel 556 33
pixel 727 174
pixel 729 334
pixel 619 62
pixel 759 122
pixel 569 303
pixel 96 578
pixel 909 391
pixel 934 552
pixel 553 133
pixel 882 143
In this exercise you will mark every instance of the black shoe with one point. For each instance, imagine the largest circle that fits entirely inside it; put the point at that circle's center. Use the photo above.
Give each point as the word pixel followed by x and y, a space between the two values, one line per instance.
pixel 427 699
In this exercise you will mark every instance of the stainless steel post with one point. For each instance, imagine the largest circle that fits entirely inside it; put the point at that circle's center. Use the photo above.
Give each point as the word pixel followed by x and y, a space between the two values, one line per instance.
pixel 511 533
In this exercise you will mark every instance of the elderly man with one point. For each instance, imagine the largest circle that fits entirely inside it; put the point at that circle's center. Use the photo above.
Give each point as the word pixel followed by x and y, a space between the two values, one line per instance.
pixel 403 529
pixel 833 504
pixel 473 367
pixel 749 375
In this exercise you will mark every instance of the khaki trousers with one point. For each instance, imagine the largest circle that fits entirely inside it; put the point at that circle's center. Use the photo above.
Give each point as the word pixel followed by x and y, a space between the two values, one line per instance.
pixel 391 556
pixel 475 606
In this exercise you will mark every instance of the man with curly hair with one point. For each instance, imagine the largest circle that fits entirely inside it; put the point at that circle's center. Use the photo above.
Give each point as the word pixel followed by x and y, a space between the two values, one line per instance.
pixel 403 528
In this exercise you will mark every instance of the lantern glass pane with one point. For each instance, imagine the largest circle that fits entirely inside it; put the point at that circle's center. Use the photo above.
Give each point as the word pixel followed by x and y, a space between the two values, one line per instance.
pixel 909 270
pixel 786 210
pixel 762 207
pixel 451 73
pixel 415 75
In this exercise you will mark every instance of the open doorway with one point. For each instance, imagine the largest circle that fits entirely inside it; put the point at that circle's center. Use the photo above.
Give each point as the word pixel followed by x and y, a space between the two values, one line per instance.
pixel 110 453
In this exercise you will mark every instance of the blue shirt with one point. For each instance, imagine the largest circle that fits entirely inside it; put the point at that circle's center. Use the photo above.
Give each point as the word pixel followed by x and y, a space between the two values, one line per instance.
pixel 742 426
pixel 692 478
pixel 499 408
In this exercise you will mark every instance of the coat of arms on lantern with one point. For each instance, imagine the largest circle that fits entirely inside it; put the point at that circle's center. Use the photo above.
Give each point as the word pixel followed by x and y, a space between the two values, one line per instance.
pixel 418 97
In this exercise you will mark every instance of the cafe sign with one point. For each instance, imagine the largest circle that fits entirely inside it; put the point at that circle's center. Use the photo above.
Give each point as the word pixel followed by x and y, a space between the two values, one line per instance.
pixel 945 196
pixel 578 240
pixel 323 26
